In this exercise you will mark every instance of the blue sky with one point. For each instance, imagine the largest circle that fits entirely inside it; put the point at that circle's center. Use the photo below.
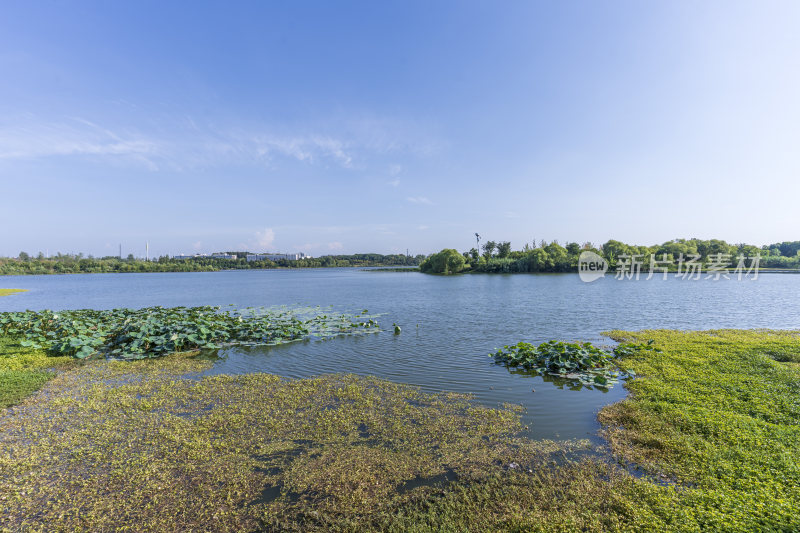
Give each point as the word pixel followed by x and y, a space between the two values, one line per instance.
pixel 340 127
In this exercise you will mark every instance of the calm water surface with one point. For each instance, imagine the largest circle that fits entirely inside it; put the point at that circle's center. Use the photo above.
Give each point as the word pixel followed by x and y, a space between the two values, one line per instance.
pixel 450 324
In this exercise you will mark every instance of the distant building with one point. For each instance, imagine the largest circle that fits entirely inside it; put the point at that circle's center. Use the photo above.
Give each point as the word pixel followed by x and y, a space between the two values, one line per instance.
pixel 250 257
pixel 276 257
pixel 205 256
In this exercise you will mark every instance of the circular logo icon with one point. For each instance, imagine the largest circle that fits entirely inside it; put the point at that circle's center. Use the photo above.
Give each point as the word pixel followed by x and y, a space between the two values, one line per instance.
pixel 591 266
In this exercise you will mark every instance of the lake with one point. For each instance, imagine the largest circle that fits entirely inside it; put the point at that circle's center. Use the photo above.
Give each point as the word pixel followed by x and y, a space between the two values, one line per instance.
pixel 450 324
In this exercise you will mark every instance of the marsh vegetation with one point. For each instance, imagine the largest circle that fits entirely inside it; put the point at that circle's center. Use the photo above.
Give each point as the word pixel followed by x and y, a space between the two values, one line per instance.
pixel 707 440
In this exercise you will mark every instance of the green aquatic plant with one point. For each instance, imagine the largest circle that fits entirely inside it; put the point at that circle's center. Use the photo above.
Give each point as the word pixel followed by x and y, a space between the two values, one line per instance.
pixel 579 361
pixel 710 429
pixel 156 331
pixel 6 292
pixel 25 370
pixel 153 445
pixel 715 414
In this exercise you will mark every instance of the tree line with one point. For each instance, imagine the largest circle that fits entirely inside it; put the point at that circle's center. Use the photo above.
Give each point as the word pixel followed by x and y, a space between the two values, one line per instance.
pixel 78 263
pixel 553 257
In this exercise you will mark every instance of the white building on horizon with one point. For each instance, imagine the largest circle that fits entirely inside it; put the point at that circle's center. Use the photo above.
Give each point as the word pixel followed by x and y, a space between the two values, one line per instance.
pixel 277 257
pixel 250 257
pixel 218 255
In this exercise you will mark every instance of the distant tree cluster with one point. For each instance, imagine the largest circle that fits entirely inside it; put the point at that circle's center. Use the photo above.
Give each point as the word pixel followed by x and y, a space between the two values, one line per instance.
pixel 448 261
pixel 75 264
pixel 553 257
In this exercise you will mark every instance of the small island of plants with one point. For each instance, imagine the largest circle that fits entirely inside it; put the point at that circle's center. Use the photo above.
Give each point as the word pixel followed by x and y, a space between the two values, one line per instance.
pixel 577 361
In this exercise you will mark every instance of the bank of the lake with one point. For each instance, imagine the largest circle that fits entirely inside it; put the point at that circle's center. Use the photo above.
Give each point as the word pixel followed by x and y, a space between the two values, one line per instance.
pixel 709 430
pixel 80 264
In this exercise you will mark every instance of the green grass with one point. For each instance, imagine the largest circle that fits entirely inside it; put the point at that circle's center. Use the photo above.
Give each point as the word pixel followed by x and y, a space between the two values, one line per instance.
pixel 23 371
pixel 6 292
pixel 711 427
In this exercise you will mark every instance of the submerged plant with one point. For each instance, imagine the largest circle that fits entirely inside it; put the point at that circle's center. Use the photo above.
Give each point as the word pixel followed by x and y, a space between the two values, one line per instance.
pixel 579 361
pixel 156 331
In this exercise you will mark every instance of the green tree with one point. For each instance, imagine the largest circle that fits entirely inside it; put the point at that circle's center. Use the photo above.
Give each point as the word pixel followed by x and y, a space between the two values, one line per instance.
pixel 539 260
pixel 503 249
pixel 448 261
pixel 613 249
pixel 558 256
pixel 488 249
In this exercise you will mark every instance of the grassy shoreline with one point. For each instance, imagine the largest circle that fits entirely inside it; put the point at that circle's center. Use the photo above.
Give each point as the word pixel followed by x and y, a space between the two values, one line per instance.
pixel 78 264
pixel 717 415
pixel 710 427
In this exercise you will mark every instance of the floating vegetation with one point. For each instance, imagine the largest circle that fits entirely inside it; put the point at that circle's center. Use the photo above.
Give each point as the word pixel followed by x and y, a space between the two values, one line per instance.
pixel 6 292
pixel 156 331
pixel 136 445
pixel 581 362
pixel 23 371
pixel 710 426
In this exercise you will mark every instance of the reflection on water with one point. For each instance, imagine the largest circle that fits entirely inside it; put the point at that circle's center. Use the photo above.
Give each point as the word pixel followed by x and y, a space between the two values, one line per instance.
pixel 450 324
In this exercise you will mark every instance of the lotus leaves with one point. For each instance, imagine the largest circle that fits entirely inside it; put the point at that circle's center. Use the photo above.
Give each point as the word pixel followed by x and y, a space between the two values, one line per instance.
pixel 579 361
pixel 156 331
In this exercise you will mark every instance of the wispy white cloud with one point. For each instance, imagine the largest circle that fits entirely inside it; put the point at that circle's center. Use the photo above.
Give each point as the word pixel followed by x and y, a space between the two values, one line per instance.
pixel 75 137
pixel 310 148
pixel 419 200
pixel 265 238
pixel 335 245
pixel 185 144
pixel 394 172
